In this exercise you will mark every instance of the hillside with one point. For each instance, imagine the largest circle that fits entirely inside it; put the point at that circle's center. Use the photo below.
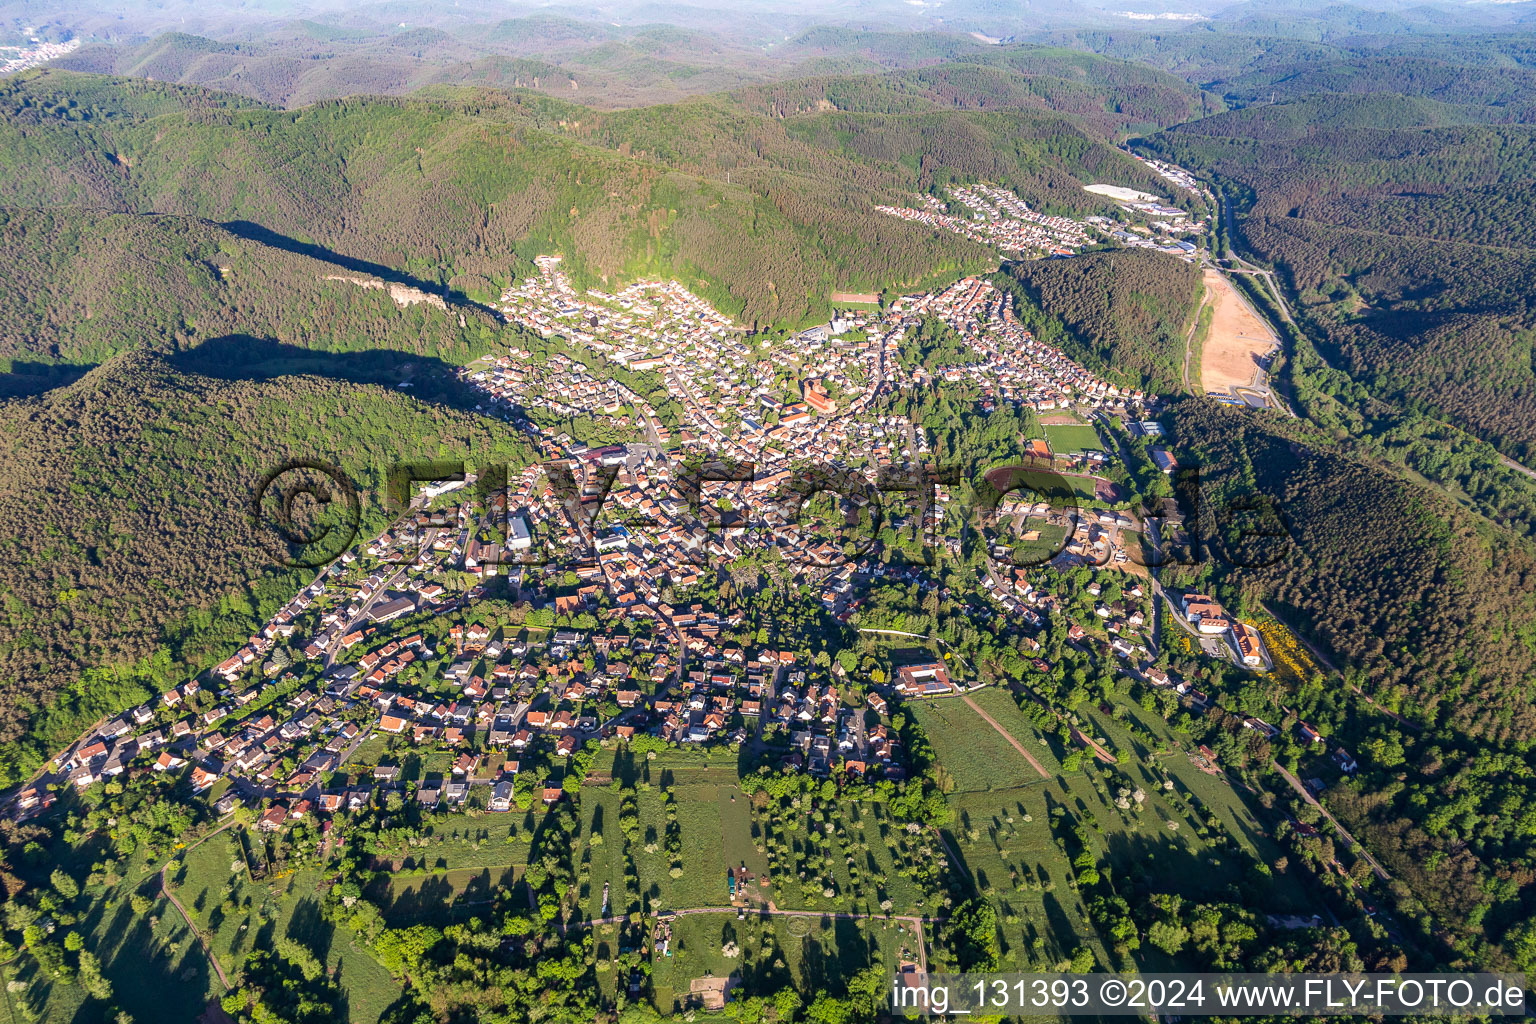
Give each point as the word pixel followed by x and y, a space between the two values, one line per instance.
pixel 1477 93
pixel 765 218
pixel 298 63
pixel 1111 95
pixel 130 558
pixel 1440 634
pixel 124 492
pixel 312 260
pixel 1429 611
pixel 80 287
pixel 1126 313
pixel 1402 244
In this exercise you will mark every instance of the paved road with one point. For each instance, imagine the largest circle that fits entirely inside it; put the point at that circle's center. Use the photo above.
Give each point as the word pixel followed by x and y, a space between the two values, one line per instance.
pixel 1306 795
pixel 362 612
pixel 1517 467
pixel 201 939
pixel 1007 736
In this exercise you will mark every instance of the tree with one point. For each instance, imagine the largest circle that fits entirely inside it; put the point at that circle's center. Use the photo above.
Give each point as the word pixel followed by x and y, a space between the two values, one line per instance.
pixel 299 956
pixel 1168 936
pixel 92 980
pixel 828 1010
pixel 787 1003
pixel 1386 751
pixel 974 930
pixel 64 884
pixel 399 948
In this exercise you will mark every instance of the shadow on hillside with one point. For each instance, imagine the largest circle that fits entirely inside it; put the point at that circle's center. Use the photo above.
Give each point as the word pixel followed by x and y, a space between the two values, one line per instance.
pixel 240 357
pixel 254 232
pixel 29 379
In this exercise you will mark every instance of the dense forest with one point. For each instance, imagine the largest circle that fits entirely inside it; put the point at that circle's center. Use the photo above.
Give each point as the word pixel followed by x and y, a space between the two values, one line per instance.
pixel 1405 246
pixel 130 559
pixel 1106 94
pixel 1417 604
pixel 1125 313
pixel 1478 93
pixel 612 67
pixel 80 287
pixel 1425 610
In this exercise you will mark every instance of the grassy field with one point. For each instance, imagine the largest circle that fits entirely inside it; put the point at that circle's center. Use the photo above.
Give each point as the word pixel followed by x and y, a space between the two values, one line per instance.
pixel 975 756
pixel 156 968
pixel 1174 840
pixel 1005 839
pixel 815 953
pixel 1068 438
pixel 869 857
pixel 1051 540
pixel 442 897
pixel 1235 810
pixel 1187 859
pixel 241 915
pixel 1000 704
pixel 713 816
pixel 604 854
pixel 457 841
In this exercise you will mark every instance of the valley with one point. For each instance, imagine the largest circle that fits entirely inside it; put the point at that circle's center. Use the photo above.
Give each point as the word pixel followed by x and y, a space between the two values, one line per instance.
pixel 606 521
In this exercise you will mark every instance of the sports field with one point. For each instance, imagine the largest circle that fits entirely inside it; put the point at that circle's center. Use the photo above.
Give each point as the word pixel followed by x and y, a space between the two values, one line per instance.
pixel 1071 438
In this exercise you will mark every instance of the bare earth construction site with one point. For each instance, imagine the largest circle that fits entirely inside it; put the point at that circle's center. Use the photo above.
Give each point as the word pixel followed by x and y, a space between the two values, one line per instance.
pixel 1237 349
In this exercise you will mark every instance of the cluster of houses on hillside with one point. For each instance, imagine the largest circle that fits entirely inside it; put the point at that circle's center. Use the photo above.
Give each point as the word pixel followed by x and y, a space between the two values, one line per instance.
pixel 1014 365
pixel 997 218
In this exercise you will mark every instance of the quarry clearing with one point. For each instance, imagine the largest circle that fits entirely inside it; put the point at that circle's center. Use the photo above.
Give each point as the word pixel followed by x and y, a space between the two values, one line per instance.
pixel 1122 194
pixel 1238 342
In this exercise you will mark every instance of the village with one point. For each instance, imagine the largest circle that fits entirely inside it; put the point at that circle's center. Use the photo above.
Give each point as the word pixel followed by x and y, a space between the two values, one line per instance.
pixel 603 542
pixel 998 219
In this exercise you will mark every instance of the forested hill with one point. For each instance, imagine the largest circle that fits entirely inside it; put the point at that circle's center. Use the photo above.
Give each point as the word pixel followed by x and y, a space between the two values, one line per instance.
pixel 1423 606
pixel 1405 246
pixel 612 67
pixel 1402 588
pixel 1125 313
pixel 765 218
pixel 1111 95
pixel 130 562
pixel 1476 93
pixel 79 287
